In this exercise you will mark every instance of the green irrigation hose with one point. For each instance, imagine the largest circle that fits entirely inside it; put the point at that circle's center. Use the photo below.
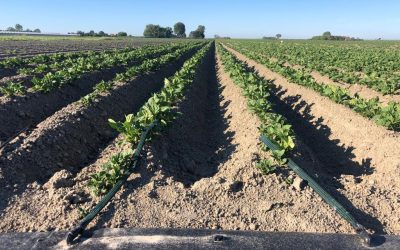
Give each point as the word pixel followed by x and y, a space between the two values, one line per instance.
pixel 104 201
pixel 324 195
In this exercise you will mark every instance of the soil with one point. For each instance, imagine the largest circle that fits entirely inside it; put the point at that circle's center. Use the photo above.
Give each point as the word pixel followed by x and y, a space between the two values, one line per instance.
pixel 360 158
pixel 201 172
pixel 359 89
pixel 74 135
pixel 23 112
pixel 19 112
pixel 29 48
pixel 362 90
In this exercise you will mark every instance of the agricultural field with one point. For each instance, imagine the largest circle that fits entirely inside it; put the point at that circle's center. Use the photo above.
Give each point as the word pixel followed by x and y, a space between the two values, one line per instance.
pixel 24 47
pixel 76 114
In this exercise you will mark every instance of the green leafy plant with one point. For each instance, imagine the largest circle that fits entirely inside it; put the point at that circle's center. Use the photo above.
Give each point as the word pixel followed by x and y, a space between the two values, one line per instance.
pixel 12 88
pixel 371 108
pixel 267 166
pixel 390 116
pixel 257 91
pixel 101 182
pixel 160 107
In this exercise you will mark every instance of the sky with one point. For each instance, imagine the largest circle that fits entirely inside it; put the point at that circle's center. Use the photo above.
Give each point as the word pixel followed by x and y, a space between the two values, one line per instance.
pixel 368 19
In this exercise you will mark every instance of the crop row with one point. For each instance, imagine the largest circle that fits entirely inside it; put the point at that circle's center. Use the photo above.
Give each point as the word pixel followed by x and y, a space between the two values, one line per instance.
pixel 17 62
pixel 147 66
pixel 159 110
pixel 387 116
pixel 56 79
pixel 257 91
pixel 99 61
pixel 68 61
pixel 377 68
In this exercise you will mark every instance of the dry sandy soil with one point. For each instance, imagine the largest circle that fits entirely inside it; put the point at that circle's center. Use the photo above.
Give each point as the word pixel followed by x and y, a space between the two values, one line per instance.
pixel 360 159
pixel 201 173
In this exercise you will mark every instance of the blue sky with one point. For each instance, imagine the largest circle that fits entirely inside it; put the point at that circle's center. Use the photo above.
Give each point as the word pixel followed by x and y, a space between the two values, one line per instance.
pixel 367 19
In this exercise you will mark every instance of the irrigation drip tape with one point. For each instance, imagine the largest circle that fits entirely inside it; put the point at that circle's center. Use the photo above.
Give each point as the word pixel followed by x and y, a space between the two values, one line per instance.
pixel 361 231
pixel 104 201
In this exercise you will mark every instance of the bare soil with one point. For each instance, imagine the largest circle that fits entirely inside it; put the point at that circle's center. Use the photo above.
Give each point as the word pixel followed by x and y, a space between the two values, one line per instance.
pixel 360 159
pixel 359 89
pixel 74 135
pixel 29 48
pixel 201 172
pixel 24 112
pixel 19 112
pixel 353 89
pixel 362 90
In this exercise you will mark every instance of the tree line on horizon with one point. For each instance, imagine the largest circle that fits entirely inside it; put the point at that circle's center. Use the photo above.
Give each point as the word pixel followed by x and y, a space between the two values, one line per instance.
pixel 100 33
pixel 179 31
pixel 327 35
pixel 19 28
pixel 277 37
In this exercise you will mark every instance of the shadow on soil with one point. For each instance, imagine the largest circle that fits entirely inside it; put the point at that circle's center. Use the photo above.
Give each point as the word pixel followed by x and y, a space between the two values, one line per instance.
pixel 332 159
pixel 194 146
pixel 198 142
pixel 90 135
pixel 324 159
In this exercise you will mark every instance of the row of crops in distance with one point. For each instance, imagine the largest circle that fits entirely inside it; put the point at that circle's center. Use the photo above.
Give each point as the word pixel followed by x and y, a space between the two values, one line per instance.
pixel 385 115
pixel 376 65
pixel 53 71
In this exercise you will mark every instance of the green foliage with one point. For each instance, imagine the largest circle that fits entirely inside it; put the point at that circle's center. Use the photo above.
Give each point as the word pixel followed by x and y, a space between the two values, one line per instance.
pixel 198 33
pixel 18 27
pixel 12 88
pixel 389 116
pixel 326 34
pixel 368 108
pixel 156 31
pixel 73 68
pixel 122 33
pixel 158 110
pixel 101 182
pixel 372 108
pixel 335 93
pixel 147 66
pixel 267 166
pixel 257 91
pixel 180 29
pixel 10 63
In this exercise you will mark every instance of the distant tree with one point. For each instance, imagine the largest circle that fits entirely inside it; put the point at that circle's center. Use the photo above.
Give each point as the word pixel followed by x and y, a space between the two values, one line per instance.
pixel 198 33
pixel 81 33
pixel 11 29
pixel 27 30
pixel 195 34
pixel 168 32
pixel 18 27
pixel 92 33
pixel 278 36
pixel 102 33
pixel 151 30
pixel 180 29
pixel 327 34
pixel 37 31
pixel 122 33
pixel 157 31
pixel 201 29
